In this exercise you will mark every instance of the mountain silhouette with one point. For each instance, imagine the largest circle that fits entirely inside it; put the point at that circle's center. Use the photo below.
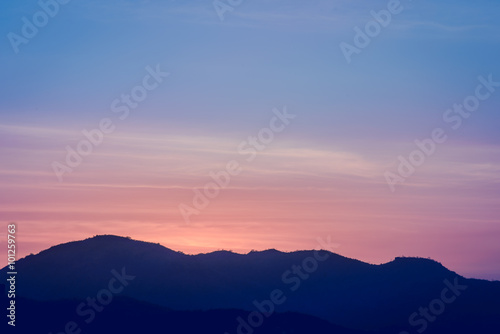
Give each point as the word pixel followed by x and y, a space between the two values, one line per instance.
pixel 333 295
pixel 127 315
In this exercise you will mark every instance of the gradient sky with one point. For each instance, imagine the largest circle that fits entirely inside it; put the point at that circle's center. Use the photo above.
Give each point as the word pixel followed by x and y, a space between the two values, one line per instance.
pixel 322 176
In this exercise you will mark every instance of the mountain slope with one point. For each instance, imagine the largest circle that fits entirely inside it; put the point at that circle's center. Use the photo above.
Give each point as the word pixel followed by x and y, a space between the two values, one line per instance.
pixel 126 315
pixel 343 291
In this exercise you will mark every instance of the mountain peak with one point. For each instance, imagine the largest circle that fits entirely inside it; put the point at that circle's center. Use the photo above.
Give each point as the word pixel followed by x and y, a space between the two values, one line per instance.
pixel 267 251
pixel 413 260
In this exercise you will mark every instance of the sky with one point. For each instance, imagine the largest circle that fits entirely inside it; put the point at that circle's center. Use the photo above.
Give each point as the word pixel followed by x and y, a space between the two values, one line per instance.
pixel 308 141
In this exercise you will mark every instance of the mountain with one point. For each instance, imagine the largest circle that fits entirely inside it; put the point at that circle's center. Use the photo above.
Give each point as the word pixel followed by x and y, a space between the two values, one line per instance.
pixel 324 287
pixel 127 315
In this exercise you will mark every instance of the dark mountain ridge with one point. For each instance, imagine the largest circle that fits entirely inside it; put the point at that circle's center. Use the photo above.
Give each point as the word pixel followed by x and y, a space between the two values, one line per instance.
pixel 340 290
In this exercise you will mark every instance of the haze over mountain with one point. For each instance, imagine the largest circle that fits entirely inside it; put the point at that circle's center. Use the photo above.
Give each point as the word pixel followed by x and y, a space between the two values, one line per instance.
pixel 329 290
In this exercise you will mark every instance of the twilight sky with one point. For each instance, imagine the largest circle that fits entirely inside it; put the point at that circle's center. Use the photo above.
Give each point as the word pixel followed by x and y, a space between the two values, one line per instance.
pixel 319 173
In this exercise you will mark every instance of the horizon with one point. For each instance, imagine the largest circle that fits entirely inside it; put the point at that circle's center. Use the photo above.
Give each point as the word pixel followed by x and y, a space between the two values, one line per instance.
pixel 265 125
pixel 252 251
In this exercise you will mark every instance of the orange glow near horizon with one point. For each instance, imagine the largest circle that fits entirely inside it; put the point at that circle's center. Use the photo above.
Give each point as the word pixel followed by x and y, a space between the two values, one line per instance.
pixel 285 199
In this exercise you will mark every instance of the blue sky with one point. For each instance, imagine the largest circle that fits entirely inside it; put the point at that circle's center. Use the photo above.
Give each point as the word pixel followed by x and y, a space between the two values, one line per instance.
pixel 264 53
